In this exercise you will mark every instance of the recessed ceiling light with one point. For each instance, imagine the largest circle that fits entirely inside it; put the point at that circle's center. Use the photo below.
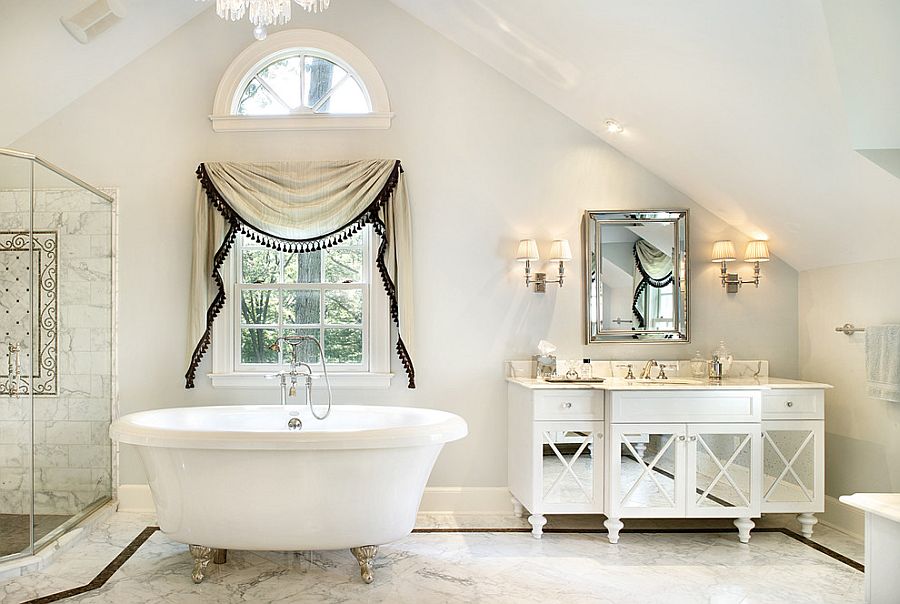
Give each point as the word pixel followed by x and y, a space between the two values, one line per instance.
pixel 613 127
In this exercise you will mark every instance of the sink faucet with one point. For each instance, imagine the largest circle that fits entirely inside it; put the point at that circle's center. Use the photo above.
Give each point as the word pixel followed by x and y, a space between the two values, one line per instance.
pixel 645 372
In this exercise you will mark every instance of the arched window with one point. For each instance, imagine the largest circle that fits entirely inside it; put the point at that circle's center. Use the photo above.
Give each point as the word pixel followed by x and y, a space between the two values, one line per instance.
pixel 300 80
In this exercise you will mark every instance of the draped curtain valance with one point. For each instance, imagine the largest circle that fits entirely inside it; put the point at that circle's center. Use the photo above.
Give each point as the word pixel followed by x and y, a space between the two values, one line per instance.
pixel 299 207
pixel 651 267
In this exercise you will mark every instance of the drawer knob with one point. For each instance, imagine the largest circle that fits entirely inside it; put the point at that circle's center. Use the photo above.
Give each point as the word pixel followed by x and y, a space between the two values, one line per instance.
pixel 790 403
pixel 567 405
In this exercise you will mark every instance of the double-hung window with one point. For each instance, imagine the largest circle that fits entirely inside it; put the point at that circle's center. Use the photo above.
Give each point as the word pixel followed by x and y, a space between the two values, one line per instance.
pixel 334 295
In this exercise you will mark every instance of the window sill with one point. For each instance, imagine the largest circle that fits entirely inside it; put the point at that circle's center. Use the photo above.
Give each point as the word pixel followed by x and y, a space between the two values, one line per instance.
pixel 339 381
pixel 240 123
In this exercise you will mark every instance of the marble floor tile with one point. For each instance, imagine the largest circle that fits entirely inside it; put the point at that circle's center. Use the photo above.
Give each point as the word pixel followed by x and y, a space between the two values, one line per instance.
pixel 466 567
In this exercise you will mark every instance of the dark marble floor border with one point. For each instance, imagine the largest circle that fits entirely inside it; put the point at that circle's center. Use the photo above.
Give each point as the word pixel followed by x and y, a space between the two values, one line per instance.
pixel 117 563
pixel 105 574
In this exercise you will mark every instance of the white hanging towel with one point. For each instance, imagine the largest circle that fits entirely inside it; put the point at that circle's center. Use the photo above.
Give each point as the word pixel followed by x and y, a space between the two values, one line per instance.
pixel 883 362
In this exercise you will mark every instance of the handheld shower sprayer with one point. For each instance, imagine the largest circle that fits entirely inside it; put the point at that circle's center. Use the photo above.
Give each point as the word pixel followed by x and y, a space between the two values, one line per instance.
pixel 295 341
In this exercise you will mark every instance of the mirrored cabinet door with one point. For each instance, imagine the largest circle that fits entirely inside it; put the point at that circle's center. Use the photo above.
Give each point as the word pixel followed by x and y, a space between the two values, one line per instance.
pixel 722 465
pixel 793 465
pixel 571 466
pixel 646 470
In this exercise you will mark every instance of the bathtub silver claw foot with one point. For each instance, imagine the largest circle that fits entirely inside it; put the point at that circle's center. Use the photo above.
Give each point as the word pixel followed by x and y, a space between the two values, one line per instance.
pixel 202 557
pixel 366 557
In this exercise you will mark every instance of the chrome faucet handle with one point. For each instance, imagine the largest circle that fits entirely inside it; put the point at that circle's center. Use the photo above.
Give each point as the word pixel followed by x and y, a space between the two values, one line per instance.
pixel 630 374
pixel 662 372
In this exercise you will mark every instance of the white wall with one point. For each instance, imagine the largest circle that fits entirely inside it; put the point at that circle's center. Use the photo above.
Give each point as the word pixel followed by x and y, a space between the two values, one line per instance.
pixel 862 440
pixel 487 164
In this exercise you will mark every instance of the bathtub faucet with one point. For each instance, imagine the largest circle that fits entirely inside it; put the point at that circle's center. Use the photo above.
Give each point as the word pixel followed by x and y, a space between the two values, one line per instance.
pixel 295 371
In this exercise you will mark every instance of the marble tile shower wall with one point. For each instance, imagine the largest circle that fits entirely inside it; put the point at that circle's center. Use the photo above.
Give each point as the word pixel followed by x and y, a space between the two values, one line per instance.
pixel 72 381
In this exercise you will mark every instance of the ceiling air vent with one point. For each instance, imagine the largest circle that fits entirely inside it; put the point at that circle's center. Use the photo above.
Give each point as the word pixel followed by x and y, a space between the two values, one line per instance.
pixel 95 19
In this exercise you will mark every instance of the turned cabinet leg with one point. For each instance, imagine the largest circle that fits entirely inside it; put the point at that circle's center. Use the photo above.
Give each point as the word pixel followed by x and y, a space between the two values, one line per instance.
pixel 807 522
pixel 518 510
pixel 613 525
pixel 366 557
pixel 744 526
pixel 537 525
pixel 202 557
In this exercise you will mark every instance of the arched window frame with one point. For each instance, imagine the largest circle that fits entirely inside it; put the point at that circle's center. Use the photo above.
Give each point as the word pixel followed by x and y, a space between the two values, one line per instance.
pixel 245 66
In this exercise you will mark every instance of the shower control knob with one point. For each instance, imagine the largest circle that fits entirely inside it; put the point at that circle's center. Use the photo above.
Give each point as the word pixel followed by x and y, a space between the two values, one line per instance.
pixel 295 424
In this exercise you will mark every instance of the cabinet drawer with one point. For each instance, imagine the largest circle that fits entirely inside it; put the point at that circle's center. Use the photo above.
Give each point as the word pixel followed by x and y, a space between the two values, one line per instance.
pixel 564 405
pixel 685 406
pixel 793 404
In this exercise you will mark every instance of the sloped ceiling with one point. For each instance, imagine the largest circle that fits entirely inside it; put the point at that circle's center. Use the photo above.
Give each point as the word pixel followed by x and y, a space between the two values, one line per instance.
pixel 865 42
pixel 738 104
pixel 43 68
pixel 735 103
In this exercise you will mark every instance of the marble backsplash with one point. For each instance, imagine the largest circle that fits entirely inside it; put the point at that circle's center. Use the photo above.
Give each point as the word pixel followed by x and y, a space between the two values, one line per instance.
pixel 679 368
pixel 72 373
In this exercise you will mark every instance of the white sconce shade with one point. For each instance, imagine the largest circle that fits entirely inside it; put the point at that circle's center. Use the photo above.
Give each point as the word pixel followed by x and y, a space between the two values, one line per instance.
pixel 723 251
pixel 757 251
pixel 560 250
pixel 528 250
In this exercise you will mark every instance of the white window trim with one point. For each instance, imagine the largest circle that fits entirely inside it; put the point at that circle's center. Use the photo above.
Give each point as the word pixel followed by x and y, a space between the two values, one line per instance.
pixel 257 54
pixel 377 340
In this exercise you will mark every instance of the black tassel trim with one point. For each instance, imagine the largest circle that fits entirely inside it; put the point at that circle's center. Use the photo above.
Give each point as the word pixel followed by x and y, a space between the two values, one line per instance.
pixel 237 226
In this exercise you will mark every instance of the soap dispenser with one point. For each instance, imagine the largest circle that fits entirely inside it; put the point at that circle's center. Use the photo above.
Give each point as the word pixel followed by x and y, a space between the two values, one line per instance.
pixel 585 372
pixel 720 363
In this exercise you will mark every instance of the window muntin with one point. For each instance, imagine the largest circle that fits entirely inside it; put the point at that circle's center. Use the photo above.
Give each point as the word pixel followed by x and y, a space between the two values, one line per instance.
pixel 302 82
pixel 324 294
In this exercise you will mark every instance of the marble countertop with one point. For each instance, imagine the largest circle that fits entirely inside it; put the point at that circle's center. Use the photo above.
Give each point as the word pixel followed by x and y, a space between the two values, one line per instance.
pixel 886 505
pixel 623 384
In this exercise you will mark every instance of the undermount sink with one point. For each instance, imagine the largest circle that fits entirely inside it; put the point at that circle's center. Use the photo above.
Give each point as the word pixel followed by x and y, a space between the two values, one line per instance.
pixel 565 380
pixel 672 381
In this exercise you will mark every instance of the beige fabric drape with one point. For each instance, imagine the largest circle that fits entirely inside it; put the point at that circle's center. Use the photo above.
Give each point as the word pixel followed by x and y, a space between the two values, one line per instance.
pixel 299 206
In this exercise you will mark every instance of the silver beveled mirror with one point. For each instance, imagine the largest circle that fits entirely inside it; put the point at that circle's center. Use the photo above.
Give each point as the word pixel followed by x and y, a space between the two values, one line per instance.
pixel 636 276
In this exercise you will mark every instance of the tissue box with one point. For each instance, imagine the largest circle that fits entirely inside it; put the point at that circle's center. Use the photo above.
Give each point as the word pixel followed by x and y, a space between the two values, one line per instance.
pixel 544 365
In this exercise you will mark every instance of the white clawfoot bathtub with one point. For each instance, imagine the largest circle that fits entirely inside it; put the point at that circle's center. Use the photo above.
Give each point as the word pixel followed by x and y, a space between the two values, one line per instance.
pixel 236 477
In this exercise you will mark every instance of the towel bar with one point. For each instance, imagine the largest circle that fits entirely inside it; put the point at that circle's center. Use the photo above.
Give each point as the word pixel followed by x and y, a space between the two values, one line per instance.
pixel 849 329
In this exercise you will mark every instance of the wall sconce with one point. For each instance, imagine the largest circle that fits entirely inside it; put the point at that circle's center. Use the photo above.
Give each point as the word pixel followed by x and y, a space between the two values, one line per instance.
pixel 723 251
pixel 528 253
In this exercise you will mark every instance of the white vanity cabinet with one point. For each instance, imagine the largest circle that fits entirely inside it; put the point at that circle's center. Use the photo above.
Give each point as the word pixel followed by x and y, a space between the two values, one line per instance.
pixel 555 452
pixel 628 449
pixel 704 461
pixel 793 428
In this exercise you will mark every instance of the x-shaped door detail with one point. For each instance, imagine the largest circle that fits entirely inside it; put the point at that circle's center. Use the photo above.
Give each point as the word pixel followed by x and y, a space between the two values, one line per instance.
pixel 723 469
pixel 569 466
pixel 647 470
pixel 789 466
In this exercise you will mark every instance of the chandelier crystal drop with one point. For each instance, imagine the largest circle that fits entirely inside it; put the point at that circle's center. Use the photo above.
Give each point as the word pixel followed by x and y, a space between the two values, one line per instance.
pixel 264 13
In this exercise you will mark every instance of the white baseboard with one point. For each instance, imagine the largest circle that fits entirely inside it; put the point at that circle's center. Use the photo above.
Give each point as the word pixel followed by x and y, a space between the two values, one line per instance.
pixel 844 518
pixel 135 498
pixel 466 500
pixel 436 500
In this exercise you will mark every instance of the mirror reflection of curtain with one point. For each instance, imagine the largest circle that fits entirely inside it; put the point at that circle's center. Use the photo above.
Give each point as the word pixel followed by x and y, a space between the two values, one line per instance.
pixel 652 268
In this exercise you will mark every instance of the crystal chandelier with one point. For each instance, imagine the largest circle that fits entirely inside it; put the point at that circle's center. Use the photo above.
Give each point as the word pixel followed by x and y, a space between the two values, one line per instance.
pixel 263 13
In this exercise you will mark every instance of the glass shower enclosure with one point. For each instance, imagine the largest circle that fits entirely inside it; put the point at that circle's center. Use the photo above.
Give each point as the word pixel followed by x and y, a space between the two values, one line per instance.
pixel 57 330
